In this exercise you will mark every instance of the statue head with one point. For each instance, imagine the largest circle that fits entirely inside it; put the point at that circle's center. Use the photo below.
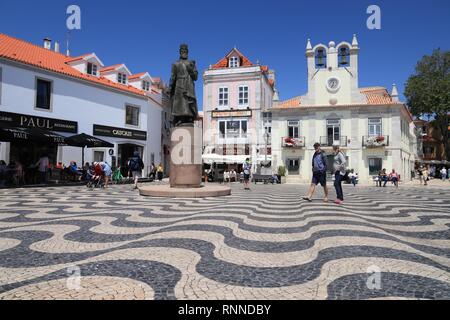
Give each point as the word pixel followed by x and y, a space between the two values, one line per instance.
pixel 184 51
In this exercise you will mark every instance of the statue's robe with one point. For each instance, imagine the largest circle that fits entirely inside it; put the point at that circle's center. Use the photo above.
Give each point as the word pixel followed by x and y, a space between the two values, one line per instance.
pixel 182 87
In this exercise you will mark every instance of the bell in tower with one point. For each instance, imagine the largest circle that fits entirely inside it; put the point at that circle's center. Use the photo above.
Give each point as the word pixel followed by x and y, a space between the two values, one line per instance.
pixel 320 59
pixel 343 57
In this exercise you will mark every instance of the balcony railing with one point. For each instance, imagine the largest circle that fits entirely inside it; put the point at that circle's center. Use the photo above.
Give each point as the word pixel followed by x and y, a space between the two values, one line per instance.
pixel 375 141
pixel 329 141
pixel 288 142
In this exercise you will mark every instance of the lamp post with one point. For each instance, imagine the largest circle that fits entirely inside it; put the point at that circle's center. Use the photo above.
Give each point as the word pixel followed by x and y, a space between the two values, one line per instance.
pixel 266 138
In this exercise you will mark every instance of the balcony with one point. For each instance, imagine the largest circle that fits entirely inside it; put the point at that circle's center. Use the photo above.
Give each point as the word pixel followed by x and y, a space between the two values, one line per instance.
pixel 288 142
pixel 328 141
pixel 375 141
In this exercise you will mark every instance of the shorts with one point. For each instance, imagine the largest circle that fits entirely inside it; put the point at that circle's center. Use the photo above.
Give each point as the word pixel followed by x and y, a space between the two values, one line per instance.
pixel 319 177
pixel 246 177
pixel 137 174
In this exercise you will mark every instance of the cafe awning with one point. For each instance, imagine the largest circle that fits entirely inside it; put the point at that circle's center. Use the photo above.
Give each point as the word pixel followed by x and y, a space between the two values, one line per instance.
pixel 17 134
pixel 84 140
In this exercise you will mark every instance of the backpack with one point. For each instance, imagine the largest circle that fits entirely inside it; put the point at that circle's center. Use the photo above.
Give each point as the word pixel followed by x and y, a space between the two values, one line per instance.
pixel 136 164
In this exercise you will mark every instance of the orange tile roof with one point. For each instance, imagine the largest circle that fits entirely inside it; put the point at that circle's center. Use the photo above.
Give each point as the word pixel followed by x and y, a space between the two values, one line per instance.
pixel 374 96
pixel 110 68
pixel 24 52
pixel 291 103
pixel 79 58
pixel 223 63
pixel 136 76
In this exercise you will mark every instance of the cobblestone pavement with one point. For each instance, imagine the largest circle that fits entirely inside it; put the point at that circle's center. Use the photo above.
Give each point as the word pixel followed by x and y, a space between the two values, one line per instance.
pixel 267 243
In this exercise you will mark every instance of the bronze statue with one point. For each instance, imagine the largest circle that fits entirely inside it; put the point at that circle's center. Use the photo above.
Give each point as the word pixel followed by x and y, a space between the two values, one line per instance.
pixel 182 90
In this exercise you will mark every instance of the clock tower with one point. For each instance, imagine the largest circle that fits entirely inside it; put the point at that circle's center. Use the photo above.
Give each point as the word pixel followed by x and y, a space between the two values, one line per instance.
pixel 333 74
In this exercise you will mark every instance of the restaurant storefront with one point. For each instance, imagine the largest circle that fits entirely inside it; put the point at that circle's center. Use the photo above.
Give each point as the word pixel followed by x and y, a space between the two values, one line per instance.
pixel 24 138
pixel 130 141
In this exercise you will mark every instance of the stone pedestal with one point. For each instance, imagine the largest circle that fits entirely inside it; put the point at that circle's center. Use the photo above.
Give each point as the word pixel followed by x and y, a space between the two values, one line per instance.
pixel 186 157
pixel 185 169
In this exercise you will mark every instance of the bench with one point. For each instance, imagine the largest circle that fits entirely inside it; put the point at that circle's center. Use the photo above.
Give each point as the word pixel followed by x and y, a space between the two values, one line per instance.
pixel 262 178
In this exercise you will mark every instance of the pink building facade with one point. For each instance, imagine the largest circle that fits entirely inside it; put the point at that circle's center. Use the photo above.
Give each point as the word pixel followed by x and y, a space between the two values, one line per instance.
pixel 237 98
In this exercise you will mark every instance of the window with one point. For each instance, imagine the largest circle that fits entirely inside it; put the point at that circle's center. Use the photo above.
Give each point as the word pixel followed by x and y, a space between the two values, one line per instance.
pixel 223 96
pixel 294 129
pixel 145 85
pixel 375 165
pixel 375 127
pixel 99 156
pixel 344 56
pixel 321 58
pixel 234 62
pixel 92 69
pixel 132 116
pixel 122 78
pixel 43 94
pixel 243 95
pixel 233 129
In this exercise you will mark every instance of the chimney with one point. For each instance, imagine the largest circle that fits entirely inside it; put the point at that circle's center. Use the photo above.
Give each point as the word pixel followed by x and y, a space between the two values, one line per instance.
pixel 57 47
pixel 48 43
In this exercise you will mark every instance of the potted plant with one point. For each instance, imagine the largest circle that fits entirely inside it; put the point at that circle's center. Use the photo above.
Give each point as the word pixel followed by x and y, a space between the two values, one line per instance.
pixel 282 174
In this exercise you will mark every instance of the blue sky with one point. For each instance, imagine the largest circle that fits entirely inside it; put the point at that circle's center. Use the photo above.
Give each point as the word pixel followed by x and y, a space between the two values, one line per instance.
pixel 145 35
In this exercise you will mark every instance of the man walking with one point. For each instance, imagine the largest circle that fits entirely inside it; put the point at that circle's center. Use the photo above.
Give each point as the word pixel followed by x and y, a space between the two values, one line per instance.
pixel 136 166
pixel 247 167
pixel 319 168
pixel 339 173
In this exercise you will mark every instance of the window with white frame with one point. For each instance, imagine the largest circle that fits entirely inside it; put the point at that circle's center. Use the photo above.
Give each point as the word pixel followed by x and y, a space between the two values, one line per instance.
pixel 243 95
pixel 132 115
pixel 146 85
pixel 233 129
pixel 223 96
pixel 293 129
pixel 233 62
pixel 92 69
pixel 122 78
pixel 375 127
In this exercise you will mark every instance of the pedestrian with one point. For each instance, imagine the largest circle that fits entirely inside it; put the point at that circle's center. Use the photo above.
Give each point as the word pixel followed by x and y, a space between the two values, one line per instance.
pixel 42 165
pixel 353 177
pixel 443 173
pixel 393 176
pixel 319 168
pixel 339 163
pixel 107 172
pixel 420 174
pixel 136 166
pixel 382 177
pixel 426 177
pixel 160 172
pixel 152 174
pixel 247 167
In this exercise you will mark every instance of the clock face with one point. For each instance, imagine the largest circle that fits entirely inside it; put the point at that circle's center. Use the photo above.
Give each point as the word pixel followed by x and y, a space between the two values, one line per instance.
pixel 333 84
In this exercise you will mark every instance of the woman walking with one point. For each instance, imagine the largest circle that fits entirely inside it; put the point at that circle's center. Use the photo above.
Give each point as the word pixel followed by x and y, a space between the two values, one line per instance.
pixel 339 173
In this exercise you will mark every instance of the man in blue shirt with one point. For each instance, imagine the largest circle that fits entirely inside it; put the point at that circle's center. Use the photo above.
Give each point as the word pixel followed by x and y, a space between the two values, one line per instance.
pixel 319 168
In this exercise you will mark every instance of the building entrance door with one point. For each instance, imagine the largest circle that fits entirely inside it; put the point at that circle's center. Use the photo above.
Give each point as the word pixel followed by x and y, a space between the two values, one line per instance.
pixel 125 152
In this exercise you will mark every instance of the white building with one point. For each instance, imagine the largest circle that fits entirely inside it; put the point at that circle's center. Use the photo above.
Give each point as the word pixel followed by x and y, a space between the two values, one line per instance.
pixel 374 129
pixel 236 97
pixel 66 95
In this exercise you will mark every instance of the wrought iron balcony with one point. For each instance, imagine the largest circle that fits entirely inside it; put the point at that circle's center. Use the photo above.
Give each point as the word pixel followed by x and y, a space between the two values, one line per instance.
pixel 375 141
pixel 288 142
pixel 329 141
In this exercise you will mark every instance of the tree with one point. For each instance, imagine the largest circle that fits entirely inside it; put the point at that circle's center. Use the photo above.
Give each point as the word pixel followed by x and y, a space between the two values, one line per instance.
pixel 428 92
